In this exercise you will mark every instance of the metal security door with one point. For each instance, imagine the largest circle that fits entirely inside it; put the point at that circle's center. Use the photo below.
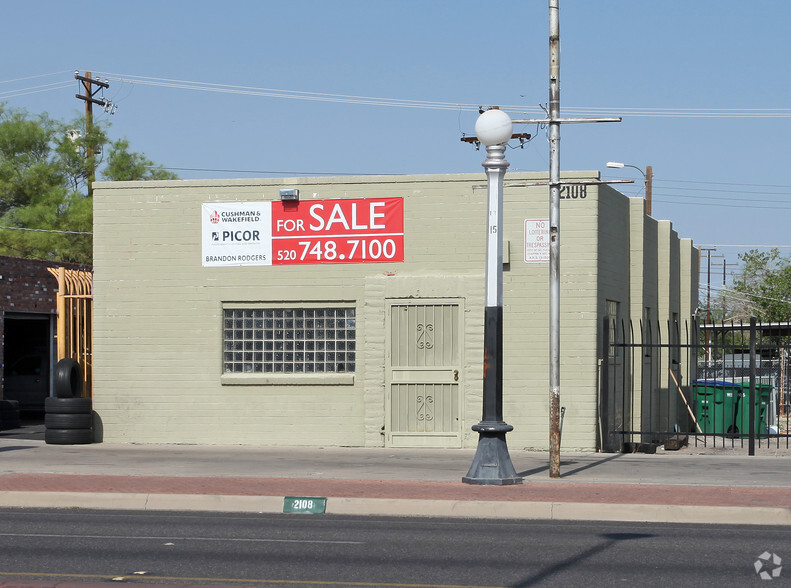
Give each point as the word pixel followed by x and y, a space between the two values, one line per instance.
pixel 424 373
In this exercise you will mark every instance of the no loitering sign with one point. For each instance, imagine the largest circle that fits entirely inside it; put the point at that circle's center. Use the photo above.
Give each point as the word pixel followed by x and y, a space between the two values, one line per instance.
pixel 536 240
pixel 361 230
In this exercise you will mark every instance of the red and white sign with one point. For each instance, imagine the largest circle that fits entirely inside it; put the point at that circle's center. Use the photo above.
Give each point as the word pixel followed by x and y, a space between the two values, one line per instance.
pixel 361 230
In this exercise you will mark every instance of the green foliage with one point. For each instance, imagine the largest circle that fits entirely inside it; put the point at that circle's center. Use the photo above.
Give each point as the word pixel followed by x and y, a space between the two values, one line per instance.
pixel 44 175
pixel 765 284
pixel 123 165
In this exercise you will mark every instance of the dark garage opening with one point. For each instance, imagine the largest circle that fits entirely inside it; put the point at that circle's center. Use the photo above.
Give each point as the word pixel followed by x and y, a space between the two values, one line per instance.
pixel 27 362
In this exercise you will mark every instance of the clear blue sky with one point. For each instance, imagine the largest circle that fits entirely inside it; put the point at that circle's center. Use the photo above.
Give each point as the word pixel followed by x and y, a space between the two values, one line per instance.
pixel 720 174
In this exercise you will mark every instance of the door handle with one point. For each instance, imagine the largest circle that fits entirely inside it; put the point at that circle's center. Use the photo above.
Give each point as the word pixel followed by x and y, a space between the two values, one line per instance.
pixel 455 375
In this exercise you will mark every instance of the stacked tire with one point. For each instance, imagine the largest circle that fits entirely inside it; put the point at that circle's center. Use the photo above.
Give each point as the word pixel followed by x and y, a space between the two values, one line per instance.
pixel 68 417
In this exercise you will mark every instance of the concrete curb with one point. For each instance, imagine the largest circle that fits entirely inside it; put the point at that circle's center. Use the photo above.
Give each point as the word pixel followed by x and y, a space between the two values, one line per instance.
pixel 524 510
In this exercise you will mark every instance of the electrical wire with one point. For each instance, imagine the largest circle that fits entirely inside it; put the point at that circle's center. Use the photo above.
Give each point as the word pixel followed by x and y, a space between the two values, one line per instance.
pixel 741 296
pixel 247 171
pixel 406 103
pixel 46 231
pixel 56 73
pixel 290 94
pixel 748 246
pixel 687 202
pixel 725 191
pixel 35 89
pixel 723 183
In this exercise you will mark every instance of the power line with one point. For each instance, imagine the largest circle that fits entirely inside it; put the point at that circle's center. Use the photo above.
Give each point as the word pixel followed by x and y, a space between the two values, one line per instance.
pixel 748 246
pixel 56 73
pixel 687 202
pixel 35 89
pixel 247 171
pixel 409 103
pixel 47 231
pixel 697 197
pixel 289 94
pixel 687 112
pixel 406 103
pixel 746 296
pixel 661 180
pixel 764 192
pixel 722 183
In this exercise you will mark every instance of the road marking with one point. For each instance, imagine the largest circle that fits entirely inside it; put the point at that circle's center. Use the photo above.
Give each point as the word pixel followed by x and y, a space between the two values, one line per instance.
pixel 241 540
pixel 270 582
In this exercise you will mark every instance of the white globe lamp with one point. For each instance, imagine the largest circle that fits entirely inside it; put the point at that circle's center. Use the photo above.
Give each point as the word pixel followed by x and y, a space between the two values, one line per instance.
pixel 494 127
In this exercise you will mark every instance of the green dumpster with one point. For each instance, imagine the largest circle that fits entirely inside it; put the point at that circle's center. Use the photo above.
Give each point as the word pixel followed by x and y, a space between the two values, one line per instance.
pixel 763 393
pixel 715 405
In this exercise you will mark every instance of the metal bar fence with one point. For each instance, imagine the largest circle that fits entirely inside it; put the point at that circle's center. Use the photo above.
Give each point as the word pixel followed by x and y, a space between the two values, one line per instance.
pixel 662 381
pixel 75 320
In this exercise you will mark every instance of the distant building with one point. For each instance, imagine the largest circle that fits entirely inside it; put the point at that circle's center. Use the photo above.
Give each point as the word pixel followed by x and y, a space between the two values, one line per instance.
pixel 28 293
pixel 349 311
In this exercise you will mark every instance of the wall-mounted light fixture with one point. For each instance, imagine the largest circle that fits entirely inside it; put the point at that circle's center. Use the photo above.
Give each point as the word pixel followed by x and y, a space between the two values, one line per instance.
pixel 289 194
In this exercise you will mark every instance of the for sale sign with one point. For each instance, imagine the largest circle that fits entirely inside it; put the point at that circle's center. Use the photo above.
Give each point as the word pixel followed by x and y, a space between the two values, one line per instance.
pixel 338 231
pixel 362 230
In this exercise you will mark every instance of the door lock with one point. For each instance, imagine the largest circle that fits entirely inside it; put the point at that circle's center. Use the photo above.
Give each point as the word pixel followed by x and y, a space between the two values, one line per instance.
pixel 455 375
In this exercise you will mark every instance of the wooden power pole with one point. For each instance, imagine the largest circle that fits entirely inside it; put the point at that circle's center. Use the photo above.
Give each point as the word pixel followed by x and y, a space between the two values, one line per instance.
pixel 89 96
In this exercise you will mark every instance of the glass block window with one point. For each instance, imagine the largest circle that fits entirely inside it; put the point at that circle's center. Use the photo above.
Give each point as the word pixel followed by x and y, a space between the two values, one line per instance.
pixel 289 340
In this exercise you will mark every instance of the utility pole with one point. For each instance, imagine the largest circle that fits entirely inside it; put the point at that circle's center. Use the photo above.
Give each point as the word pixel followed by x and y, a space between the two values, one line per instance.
pixel 554 121
pixel 708 297
pixel 648 176
pixel 90 99
pixel 554 239
pixel 725 265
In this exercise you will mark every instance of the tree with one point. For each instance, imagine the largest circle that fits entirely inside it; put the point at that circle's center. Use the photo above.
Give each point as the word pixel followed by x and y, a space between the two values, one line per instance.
pixel 123 165
pixel 45 212
pixel 765 286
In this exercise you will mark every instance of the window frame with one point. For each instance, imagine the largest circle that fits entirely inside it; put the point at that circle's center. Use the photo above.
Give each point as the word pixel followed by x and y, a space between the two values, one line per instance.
pixel 286 378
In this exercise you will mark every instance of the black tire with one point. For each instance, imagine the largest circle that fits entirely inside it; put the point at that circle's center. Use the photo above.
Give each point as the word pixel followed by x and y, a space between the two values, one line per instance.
pixel 68 421
pixel 67 405
pixel 68 436
pixel 68 378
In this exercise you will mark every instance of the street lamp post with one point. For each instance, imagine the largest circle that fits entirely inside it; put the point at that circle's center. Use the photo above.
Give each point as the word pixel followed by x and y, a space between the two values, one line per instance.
pixel 492 463
pixel 648 177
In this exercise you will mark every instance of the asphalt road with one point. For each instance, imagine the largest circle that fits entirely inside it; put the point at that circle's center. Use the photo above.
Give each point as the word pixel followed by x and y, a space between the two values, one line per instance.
pixel 49 547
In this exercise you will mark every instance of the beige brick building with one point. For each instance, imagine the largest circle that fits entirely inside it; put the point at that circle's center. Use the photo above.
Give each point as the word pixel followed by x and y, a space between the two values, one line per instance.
pixel 307 343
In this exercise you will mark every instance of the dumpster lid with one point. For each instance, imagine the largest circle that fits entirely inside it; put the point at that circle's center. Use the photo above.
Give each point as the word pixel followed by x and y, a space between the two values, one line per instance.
pixel 713 383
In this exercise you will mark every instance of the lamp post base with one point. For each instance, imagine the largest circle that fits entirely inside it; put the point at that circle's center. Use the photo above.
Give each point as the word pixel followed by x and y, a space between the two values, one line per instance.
pixel 492 464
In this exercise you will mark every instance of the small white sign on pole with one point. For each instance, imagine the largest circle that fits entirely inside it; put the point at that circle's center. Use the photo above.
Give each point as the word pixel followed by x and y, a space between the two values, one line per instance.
pixel 537 241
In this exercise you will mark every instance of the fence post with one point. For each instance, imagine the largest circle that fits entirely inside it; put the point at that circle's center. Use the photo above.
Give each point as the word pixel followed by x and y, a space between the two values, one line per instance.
pixel 604 394
pixel 61 311
pixel 751 403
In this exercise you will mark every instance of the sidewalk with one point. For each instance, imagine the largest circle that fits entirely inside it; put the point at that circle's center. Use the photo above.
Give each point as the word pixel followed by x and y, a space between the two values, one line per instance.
pixel 689 486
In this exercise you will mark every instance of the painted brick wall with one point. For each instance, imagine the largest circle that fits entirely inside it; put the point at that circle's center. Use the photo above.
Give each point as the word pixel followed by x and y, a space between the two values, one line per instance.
pixel 26 287
pixel 157 329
